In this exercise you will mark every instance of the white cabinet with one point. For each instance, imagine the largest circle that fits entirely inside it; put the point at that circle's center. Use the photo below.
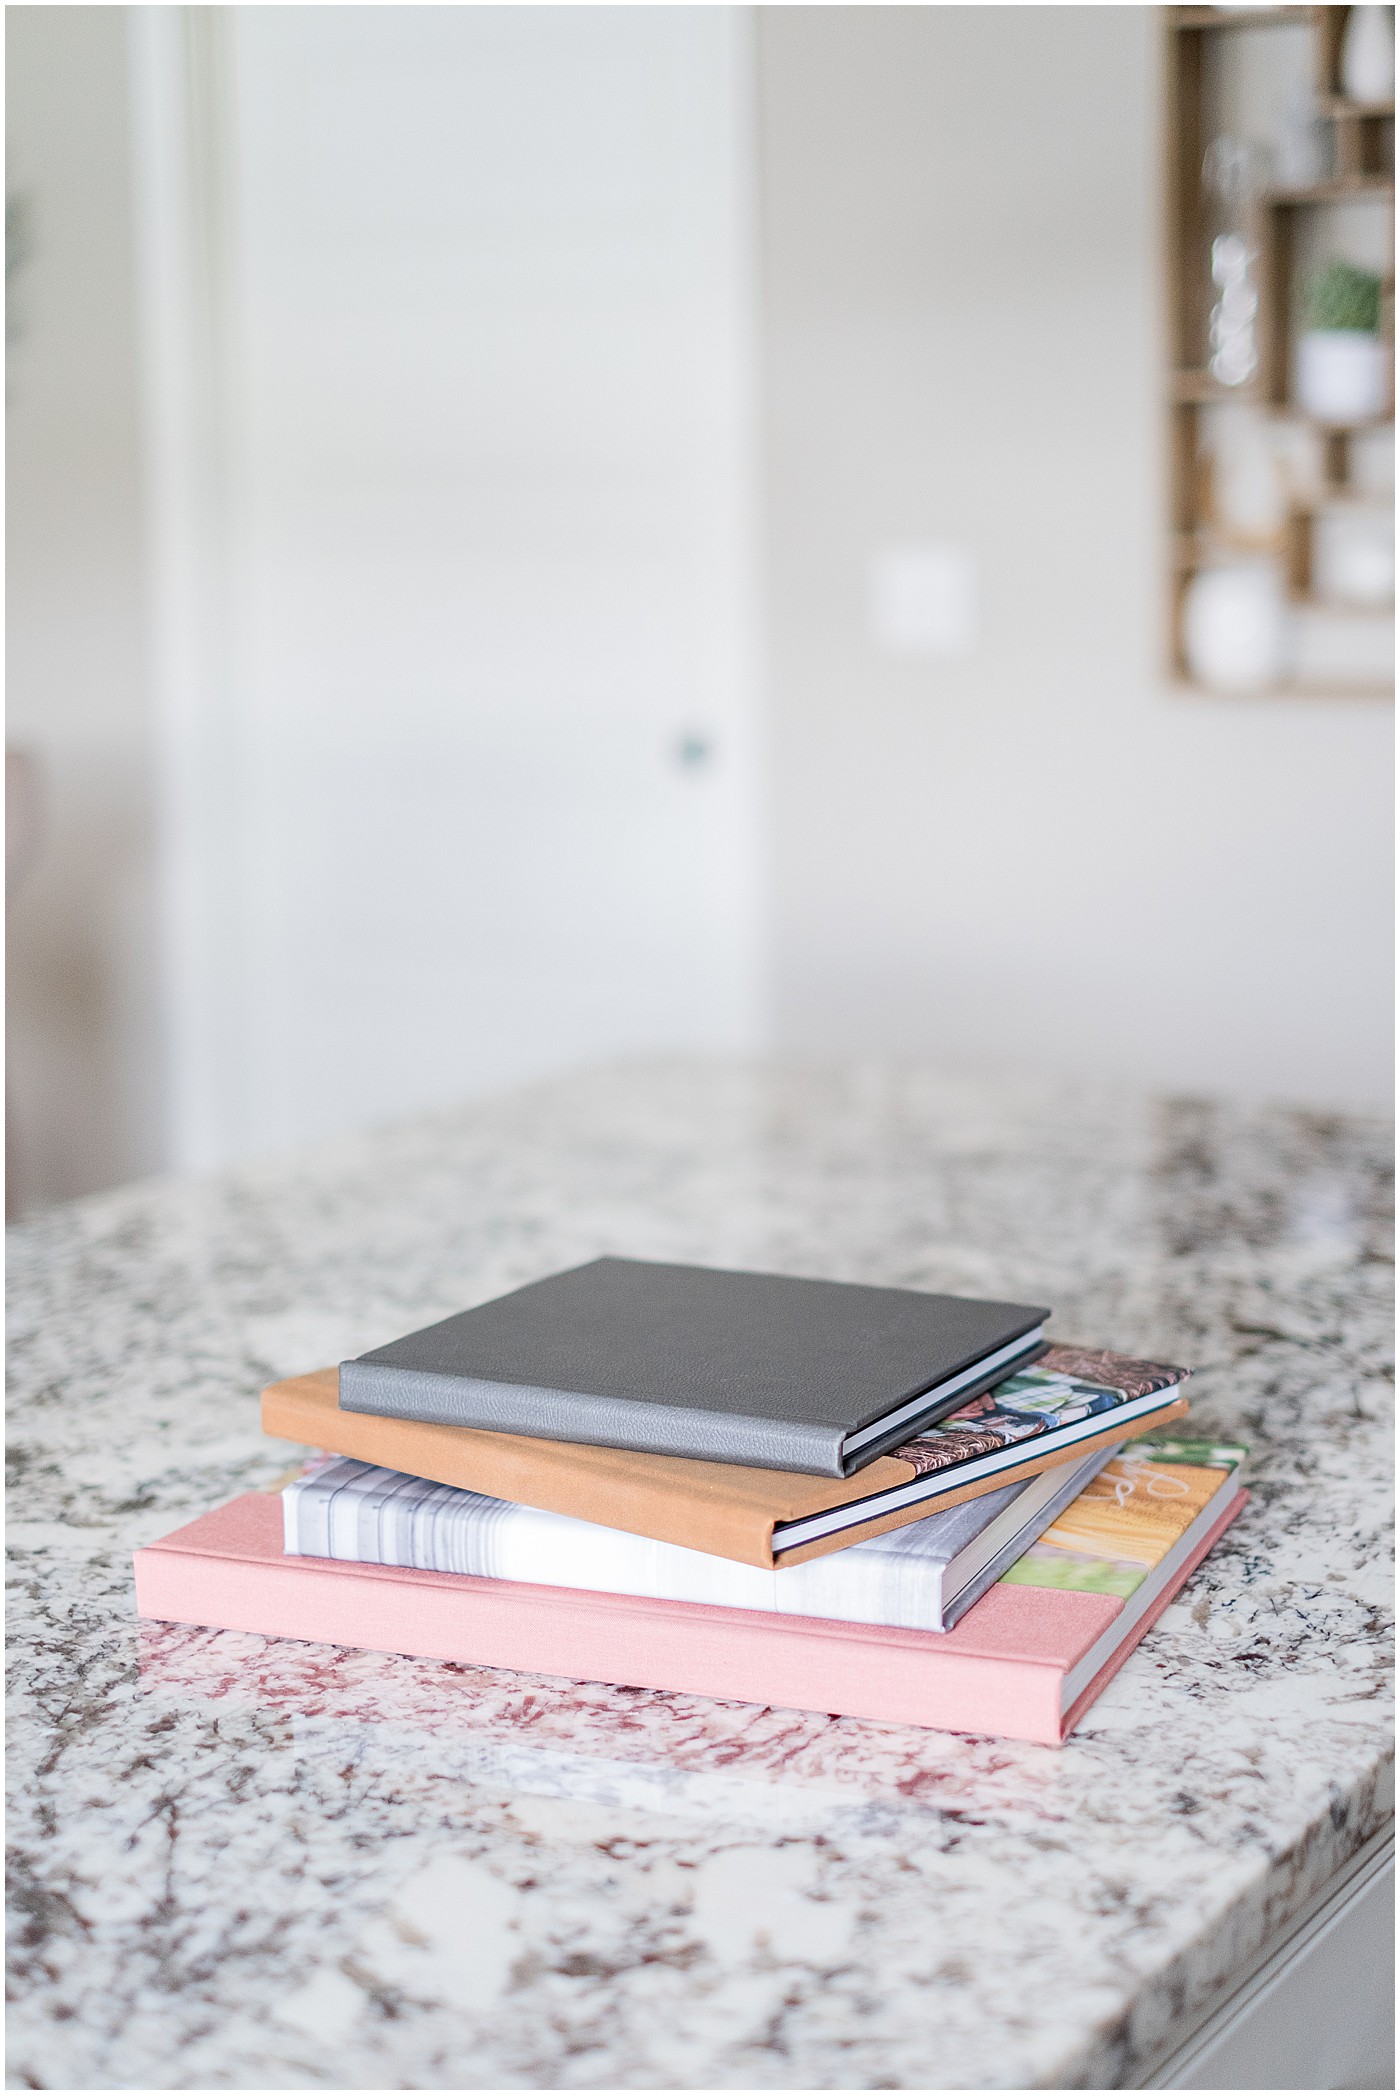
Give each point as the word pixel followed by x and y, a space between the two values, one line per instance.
pixel 1316 2009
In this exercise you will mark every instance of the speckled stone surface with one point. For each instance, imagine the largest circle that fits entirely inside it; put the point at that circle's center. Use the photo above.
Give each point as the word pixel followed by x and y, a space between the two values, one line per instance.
pixel 240 1863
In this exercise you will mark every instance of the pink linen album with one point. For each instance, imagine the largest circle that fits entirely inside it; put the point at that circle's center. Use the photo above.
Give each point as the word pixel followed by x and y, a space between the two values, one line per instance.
pixel 1024 1663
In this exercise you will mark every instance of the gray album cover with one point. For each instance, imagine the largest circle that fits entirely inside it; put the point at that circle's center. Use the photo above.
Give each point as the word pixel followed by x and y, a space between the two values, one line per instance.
pixel 755 1368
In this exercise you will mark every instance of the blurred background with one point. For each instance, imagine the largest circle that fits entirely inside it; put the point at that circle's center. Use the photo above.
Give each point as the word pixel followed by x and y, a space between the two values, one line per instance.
pixel 538 535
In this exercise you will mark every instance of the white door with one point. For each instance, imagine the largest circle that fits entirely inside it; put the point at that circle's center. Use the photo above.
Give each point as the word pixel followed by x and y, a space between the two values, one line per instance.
pixel 450 356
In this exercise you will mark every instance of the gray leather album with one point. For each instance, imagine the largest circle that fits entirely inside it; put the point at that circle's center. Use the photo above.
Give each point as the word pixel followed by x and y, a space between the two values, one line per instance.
pixel 761 1369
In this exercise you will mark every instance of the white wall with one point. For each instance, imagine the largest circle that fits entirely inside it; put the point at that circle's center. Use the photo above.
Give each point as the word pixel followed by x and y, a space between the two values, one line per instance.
pixel 452 372
pixel 468 560
pixel 1038 854
pixel 84 1040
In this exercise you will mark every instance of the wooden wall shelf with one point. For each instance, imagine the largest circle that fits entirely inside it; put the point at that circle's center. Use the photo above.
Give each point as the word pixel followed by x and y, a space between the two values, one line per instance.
pixel 1338 191
pixel 1341 105
pixel 1234 17
pixel 1289 227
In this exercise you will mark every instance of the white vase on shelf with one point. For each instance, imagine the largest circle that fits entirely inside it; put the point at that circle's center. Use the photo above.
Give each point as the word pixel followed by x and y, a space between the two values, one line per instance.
pixel 1353 556
pixel 1368 54
pixel 1339 375
pixel 1234 627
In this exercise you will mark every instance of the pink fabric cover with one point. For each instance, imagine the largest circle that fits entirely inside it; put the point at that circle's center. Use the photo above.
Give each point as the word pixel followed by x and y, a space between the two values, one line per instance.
pixel 999 1671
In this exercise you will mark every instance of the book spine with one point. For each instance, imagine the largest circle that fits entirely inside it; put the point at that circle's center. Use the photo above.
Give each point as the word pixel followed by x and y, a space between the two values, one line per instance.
pixel 577 1415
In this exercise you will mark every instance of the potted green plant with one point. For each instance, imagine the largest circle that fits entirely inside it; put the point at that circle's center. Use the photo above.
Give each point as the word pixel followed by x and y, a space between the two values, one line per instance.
pixel 1340 374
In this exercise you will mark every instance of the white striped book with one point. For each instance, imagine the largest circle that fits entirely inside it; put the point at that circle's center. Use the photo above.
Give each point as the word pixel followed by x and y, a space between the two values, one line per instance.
pixel 924 1576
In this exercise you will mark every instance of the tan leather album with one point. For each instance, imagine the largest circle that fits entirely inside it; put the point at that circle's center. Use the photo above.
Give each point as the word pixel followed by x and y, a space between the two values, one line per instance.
pixel 758 1516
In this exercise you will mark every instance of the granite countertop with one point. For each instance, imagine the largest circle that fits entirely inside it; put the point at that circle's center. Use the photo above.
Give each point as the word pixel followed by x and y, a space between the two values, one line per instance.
pixel 242 1863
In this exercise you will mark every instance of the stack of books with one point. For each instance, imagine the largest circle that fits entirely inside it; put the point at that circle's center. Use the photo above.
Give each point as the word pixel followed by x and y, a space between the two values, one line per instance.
pixel 868 1501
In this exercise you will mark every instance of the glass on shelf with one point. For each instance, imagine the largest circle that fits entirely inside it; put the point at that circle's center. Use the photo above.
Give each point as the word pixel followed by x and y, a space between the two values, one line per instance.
pixel 1231 181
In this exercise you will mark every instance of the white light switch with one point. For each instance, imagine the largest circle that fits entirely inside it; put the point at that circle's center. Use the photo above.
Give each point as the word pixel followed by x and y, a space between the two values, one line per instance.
pixel 922 600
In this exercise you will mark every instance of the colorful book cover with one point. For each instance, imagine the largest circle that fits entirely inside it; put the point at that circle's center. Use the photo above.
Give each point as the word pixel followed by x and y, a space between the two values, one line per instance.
pixel 1067 1384
pixel 1128 1518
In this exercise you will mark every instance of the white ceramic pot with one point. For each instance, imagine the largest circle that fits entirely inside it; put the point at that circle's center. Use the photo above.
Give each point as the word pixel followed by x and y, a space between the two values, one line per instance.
pixel 1235 627
pixel 1368 54
pixel 1353 556
pixel 1339 375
